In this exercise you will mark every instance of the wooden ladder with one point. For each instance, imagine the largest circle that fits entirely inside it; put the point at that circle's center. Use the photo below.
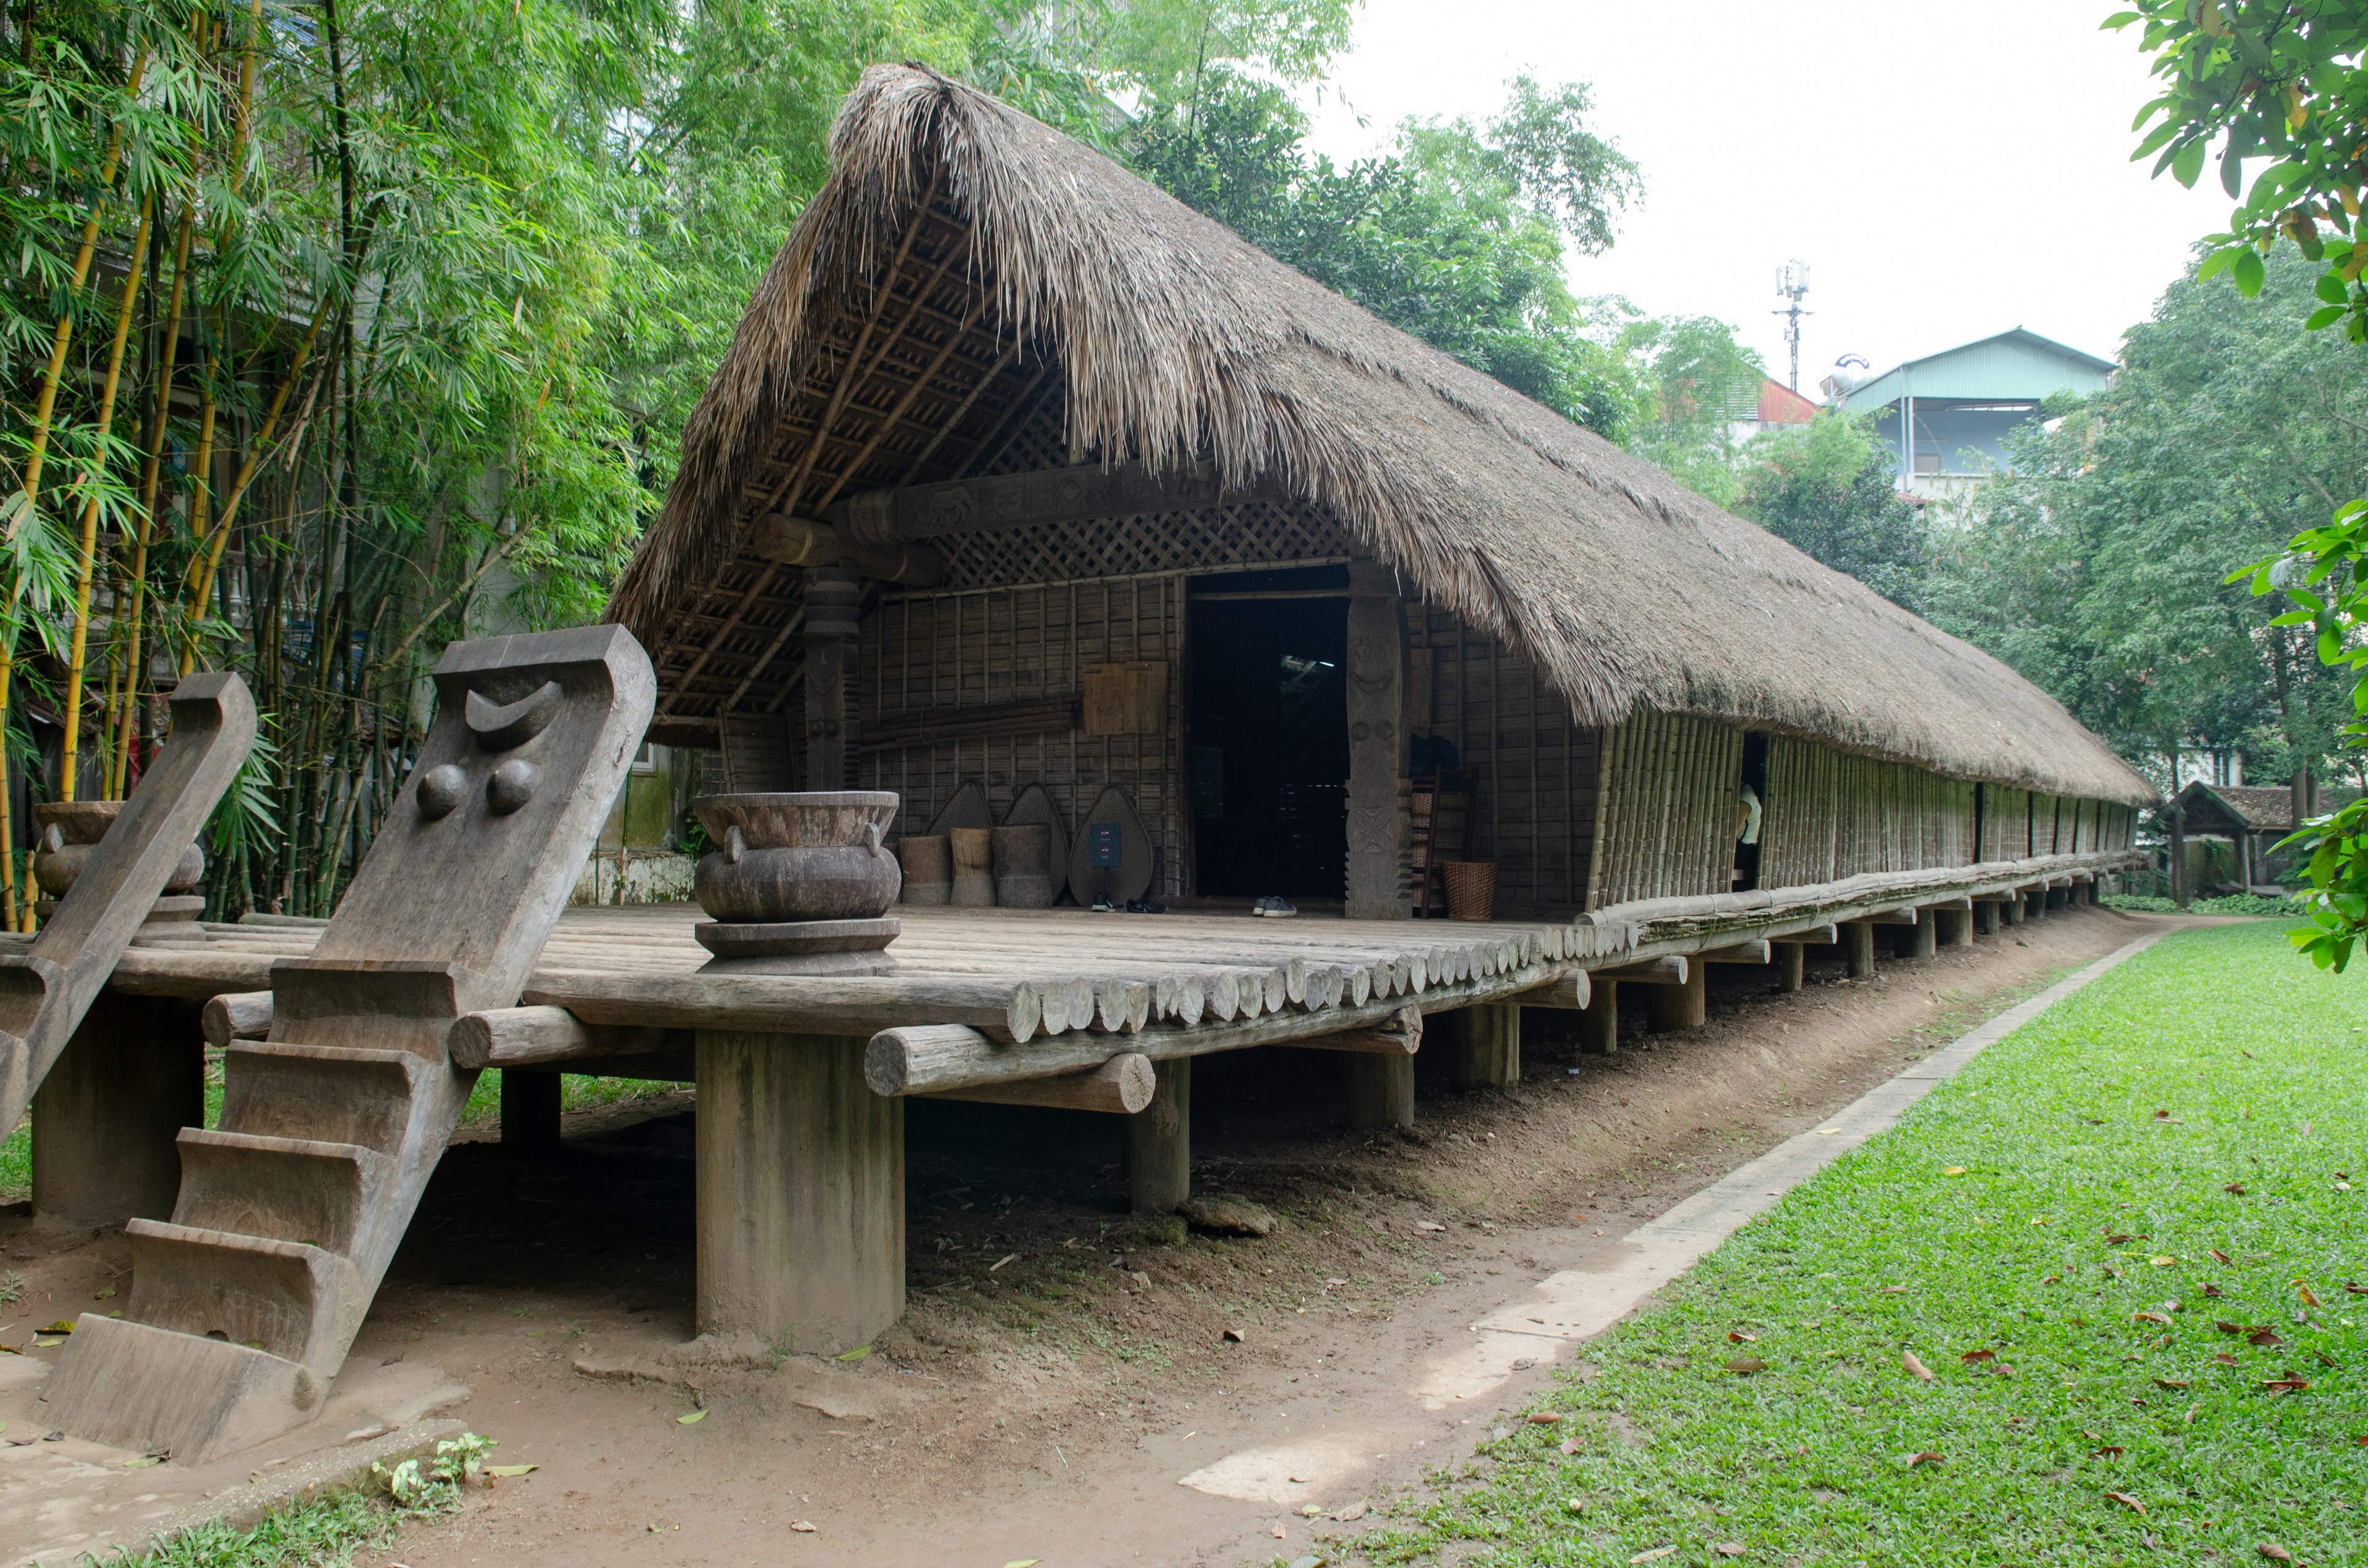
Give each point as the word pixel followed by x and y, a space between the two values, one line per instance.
pixel 244 1304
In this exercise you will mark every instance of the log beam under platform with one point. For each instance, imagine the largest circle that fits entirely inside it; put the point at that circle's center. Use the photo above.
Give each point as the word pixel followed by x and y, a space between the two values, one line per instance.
pixel 1121 1087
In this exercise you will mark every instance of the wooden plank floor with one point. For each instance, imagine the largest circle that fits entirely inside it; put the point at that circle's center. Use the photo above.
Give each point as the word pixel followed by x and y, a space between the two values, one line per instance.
pixel 1015 974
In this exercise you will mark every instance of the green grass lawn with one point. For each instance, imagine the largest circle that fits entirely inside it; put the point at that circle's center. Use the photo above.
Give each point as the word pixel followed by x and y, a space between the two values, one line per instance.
pixel 2124 1244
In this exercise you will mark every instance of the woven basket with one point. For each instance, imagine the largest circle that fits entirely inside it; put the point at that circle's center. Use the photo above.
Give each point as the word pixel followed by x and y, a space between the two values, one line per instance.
pixel 1471 889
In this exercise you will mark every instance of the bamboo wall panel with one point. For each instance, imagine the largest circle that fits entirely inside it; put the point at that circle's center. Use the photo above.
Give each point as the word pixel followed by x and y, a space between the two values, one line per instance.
pixel 1827 816
pixel 1533 771
pixel 1015 657
pixel 1666 825
pixel 1211 538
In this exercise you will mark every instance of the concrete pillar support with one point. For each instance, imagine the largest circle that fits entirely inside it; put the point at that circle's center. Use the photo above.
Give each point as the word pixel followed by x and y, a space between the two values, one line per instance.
pixel 530 1110
pixel 1489 1046
pixel 1858 945
pixel 1599 1022
pixel 1687 1006
pixel 801 1206
pixel 1159 1142
pixel 105 1118
pixel 1381 1091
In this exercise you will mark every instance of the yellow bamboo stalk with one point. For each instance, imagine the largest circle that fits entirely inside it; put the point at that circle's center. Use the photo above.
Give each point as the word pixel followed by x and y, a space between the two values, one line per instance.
pixel 45 404
pixel 148 487
pixel 202 590
pixel 87 564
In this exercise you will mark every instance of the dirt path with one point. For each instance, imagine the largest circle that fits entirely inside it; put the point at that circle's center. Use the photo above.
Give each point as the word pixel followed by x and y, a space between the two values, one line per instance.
pixel 1063 1366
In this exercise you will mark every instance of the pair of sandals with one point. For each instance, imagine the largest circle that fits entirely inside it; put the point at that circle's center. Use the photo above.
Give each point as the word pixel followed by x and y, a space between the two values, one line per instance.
pixel 1104 905
pixel 1274 908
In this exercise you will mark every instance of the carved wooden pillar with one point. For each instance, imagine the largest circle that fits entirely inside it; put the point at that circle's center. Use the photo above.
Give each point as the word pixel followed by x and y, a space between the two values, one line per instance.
pixel 1378 829
pixel 832 597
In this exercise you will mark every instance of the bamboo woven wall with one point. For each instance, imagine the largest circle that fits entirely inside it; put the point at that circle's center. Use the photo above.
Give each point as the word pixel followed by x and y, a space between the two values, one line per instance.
pixel 2005 823
pixel 1828 816
pixel 984 680
pixel 1666 825
pixel 1533 771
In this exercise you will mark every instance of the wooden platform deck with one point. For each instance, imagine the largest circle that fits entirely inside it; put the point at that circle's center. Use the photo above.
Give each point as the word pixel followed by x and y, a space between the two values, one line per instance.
pixel 1174 984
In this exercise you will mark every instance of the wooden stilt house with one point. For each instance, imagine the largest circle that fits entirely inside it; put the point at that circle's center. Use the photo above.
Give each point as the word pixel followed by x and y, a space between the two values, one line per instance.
pixel 1018 470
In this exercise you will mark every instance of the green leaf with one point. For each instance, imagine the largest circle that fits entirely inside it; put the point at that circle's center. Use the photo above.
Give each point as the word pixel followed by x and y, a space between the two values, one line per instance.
pixel 2119 20
pixel 2250 272
pixel 695 1415
pixel 2330 288
pixel 2232 171
pixel 2215 265
pixel 2325 317
pixel 2187 165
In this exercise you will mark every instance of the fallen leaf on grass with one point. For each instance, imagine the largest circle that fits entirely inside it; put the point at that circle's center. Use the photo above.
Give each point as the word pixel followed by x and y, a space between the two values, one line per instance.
pixel 1544 1417
pixel 2162 1260
pixel 1728 1549
pixel 686 1420
pixel 803 1526
pixel 509 1472
pixel 2115 1238
pixel 1892 1290
pixel 2286 1385
pixel 2126 1501
pixel 61 1326
pixel 2236 1187
pixel 2170 1383
pixel 2307 1299
pixel 2351 1290
pixel 2149 1317
pixel 1234 1336
pixel 1657 1552
pixel 2274 1553
pixel 1006 1257
pixel 1916 1369
pixel 1737 1336
pixel 2162 1115
pixel 2224 1358
pixel 2214 1291
pixel 1353 1512
pixel 2215 1255
pixel 2111 1451
pixel 2266 1337
pixel 1972 1356
pixel 858 1354
pixel 1744 1366
pixel 1910 1461
pixel 1572 1444
pixel 1953 1170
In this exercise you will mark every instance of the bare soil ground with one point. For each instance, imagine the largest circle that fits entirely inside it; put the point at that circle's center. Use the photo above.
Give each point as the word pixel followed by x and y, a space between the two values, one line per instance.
pixel 1063 1365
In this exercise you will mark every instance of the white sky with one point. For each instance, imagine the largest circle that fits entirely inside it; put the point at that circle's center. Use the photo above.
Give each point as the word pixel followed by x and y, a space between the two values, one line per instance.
pixel 1948 171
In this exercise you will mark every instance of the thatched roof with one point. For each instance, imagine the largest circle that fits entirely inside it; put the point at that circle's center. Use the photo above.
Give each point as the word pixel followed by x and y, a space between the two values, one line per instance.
pixel 1172 339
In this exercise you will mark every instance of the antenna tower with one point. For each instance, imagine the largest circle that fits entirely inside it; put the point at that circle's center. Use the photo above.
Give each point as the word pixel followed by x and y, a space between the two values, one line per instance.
pixel 1792 282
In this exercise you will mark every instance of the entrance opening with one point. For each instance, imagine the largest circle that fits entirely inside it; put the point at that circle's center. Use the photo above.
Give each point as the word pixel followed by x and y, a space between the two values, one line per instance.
pixel 1270 733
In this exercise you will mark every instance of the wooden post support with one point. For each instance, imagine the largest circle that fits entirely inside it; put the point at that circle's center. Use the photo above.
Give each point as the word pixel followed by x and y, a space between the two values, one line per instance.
pixel 1159 1142
pixel 1858 942
pixel 1686 1007
pixel 530 1110
pixel 2014 908
pixel 1598 1026
pixel 800 1192
pixel 1985 918
pixel 1955 928
pixel 1920 940
pixel 2035 902
pixel 1381 1091
pixel 2058 898
pixel 1789 965
pixel 1378 827
pixel 1489 1046
pixel 105 1119
pixel 833 595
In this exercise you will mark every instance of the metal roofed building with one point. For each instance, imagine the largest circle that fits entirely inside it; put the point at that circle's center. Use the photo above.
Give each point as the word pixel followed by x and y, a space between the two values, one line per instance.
pixel 1945 418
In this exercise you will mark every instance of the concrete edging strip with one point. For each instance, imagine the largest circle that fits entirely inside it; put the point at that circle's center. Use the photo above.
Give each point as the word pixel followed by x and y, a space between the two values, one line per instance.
pixel 1577 1304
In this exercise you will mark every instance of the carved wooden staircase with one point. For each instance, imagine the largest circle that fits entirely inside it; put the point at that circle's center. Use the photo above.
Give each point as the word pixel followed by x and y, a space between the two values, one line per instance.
pixel 244 1304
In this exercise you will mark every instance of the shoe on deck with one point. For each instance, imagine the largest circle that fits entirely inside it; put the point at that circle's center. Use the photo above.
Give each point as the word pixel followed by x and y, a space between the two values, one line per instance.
pixel 1274 908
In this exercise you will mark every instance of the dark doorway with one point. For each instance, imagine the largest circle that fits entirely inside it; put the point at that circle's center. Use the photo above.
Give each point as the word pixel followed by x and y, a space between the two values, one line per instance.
pixel 1270 733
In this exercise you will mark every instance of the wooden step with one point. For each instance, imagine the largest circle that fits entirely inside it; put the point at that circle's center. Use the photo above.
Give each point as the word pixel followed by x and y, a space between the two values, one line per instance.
pixel 329 1093
pixel 134 1385
pixel 287 1189
pixel 285 1298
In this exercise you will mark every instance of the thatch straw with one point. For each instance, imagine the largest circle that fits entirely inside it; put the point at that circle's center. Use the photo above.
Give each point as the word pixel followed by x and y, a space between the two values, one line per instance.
pixel 1178 340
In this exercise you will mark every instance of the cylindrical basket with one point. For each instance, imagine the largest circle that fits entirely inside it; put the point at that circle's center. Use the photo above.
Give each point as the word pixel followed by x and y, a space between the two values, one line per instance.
pixel 929 874
pixel 1022 855
pixel 1471 889
pixel 973 868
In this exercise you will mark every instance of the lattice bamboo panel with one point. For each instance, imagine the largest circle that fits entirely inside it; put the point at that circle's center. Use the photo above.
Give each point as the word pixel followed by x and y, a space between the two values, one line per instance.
pixel 1667 820
pixel 1213 537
